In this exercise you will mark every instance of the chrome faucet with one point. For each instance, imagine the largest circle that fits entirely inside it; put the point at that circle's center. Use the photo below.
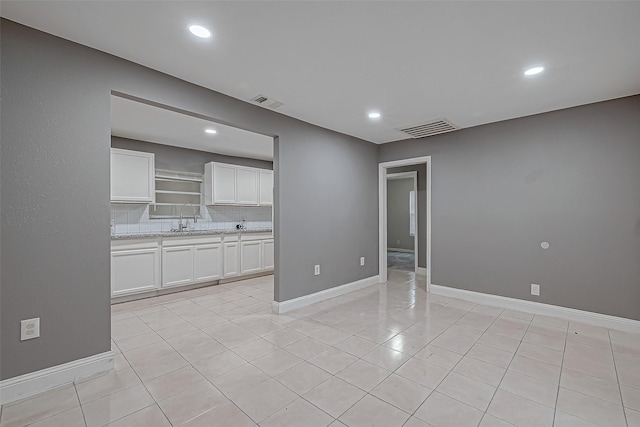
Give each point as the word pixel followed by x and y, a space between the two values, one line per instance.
pixel 181 226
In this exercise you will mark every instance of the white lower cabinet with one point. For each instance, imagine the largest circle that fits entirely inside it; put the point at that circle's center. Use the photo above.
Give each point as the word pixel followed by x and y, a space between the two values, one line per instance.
pixel 135 266
pixel 207 262
pixel 268 251
pixel 177 266
pixel 251 256
pixel 231 258
pixel 256 252
pixel 142 265
pixel 187 260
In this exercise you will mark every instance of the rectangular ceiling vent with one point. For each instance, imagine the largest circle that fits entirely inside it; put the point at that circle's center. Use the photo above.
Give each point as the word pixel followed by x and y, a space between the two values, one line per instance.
pixel 431 128
pixel 267 102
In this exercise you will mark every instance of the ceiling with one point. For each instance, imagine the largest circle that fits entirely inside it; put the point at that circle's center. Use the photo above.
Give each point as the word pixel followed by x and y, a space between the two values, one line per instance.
pixel 135 120
pixel 331 63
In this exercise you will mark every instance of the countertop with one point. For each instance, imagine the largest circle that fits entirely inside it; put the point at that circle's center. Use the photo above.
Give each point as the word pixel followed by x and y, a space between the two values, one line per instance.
pixel 186 233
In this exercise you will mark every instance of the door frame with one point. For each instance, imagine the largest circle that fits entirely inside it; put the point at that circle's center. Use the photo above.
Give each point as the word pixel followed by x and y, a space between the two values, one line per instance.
pixel 382 213
pixel 413 176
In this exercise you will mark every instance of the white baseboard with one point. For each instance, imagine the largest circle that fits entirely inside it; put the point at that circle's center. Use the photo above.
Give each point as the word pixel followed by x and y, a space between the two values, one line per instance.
pixel 26 385
pixel 409 251
pixel 597 319
pixel 303 301
pixel 421 271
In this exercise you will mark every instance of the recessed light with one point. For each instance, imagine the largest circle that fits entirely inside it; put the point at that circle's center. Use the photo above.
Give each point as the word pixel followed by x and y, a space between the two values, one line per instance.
pixel 210 131
pixel 374 115
pixel 533 71
pixel 200 31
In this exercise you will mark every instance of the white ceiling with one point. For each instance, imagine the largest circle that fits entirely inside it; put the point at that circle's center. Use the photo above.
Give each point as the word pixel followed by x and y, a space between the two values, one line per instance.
pixel 333 62
pixel 135 120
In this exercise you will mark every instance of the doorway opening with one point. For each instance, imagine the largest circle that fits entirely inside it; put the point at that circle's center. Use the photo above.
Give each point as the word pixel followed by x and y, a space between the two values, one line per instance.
pixel 402 220
pixel 192 205
pixel 418 208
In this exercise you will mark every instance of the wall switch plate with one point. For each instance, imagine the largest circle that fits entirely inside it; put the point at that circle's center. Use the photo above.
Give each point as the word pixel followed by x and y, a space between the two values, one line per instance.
pixel 316 270
pixel 535 289
pixel 361 260
pixel 29 329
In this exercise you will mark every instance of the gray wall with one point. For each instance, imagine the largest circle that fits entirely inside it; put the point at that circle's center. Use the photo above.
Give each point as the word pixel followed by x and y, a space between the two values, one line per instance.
pixel 422 208
pixel 398 214
pixel 55 193
pixel 183 159
pixel 570 177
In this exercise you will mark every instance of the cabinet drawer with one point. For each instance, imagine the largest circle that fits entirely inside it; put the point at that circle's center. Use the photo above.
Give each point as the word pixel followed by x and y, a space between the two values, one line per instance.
pixel 256 236
pixel 190 240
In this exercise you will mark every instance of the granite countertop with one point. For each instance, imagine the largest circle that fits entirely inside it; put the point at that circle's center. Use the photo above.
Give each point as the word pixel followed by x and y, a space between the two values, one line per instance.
pixel 186 233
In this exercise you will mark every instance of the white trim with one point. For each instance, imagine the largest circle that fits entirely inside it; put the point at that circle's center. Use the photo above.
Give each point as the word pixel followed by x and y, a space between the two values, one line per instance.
pixel 382 213
pixel 604 320
pixel 409 251
pixel 303 301
pixel 32 383
pixel 421 271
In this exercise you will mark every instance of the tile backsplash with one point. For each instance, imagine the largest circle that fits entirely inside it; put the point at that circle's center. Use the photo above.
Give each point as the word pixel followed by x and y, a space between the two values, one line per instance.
pixel 134 219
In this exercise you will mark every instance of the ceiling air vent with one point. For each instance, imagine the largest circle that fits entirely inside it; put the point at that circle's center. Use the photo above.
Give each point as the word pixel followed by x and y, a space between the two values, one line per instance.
pixel 267 102
pixel 431 128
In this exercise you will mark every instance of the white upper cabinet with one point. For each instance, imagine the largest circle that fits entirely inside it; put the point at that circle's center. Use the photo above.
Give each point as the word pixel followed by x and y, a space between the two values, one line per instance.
pixel 132 176
pixel 220 184
pixel 237 185
pixel 266 188
pixel 247 186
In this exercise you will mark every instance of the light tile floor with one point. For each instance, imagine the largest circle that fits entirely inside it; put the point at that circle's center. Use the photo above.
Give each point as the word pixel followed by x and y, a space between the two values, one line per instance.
pixel 389 355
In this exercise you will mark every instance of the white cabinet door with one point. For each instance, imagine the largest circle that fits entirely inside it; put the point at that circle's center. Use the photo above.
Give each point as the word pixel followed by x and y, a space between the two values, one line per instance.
pixel 266 188
pixel 134 271
pixel 207 262
pixel 247 186
pixel 231 259
pixel 250 256
pixel 267 254
pixel 177 266
pixel 132 176
pixel 219 184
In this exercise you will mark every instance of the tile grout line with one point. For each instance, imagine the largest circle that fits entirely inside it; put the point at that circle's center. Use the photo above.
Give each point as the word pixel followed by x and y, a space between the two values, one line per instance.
pixel 190 363
pixel 564 352
pixel 127 388
pixel 506 369
pixel 505 373
pixel 84 418
pixel 391 372
pixel 196 369
pixel 615 367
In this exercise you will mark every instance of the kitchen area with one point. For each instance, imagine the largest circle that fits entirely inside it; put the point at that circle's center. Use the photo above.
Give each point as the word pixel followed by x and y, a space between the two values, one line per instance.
pixel 191 202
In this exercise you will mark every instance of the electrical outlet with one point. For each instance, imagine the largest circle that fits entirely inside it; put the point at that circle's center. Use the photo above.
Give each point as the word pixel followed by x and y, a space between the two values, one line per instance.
pixel 316 270
pixel 29 329
pixel 361 260
pixel 398 242
pixel 535 289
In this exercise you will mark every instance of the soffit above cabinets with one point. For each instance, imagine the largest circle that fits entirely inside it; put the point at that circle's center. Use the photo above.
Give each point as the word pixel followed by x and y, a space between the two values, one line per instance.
pixel 136 120
pixel 331 63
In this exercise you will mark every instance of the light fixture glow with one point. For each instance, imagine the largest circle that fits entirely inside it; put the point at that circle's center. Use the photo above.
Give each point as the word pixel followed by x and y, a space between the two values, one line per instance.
pixel 199 31
pixel 374 115
pixel 533 71
pixel 211 131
